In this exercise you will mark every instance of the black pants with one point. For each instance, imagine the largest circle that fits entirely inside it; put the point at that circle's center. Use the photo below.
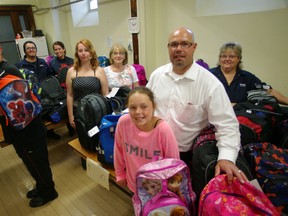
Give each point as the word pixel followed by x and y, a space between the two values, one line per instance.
pixel 34 154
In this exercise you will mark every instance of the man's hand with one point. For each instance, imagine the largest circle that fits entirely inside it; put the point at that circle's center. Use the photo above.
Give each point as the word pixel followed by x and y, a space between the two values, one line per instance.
pixel 225 166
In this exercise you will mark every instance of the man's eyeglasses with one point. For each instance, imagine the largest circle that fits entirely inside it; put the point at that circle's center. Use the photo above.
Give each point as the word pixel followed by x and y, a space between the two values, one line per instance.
pixel 183 45
pixel 30 48
pixel 227 56
pixel 120 54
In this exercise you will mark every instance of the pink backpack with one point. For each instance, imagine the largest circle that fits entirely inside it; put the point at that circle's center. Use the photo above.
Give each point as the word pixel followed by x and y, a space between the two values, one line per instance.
pixel 141 74
pixel 220 198
pixel 164 186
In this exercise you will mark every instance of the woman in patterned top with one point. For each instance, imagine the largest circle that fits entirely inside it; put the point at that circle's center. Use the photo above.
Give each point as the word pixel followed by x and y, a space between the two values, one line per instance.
pixel 85 77
pixel 119 73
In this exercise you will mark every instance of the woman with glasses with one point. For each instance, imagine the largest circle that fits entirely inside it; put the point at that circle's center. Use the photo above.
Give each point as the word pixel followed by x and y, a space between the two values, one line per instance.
pixel 119 73
pixel 237 82
pixel 85 77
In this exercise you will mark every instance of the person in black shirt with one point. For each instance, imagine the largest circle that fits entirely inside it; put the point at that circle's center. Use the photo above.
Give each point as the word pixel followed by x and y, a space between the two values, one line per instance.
pixel 236 81
pixel 31 146
pixel 39 67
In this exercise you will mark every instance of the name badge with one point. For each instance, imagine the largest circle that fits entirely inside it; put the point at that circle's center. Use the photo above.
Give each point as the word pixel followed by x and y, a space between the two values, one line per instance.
pixel 242 85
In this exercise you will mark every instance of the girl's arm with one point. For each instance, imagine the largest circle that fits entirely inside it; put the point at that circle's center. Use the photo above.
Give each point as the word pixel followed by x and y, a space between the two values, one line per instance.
pixel 119 159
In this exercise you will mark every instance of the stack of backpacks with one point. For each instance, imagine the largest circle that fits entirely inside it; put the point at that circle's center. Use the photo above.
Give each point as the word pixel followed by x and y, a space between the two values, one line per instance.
pixel 51 95
pixel 263 156
pixel 90 126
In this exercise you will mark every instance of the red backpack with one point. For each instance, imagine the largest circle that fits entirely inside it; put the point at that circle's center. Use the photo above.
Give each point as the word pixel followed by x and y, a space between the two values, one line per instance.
pixel 221 198
pixel 19 105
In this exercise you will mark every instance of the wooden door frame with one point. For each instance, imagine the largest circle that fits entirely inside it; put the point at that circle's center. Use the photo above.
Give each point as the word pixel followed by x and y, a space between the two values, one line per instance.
pixel 15 11
pixel 133 4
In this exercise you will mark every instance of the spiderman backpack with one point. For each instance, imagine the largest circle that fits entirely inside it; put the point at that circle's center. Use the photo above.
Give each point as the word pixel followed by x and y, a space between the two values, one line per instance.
pixel 18 104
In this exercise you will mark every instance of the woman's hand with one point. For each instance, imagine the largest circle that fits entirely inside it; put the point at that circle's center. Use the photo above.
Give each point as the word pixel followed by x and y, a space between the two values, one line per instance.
pixel 72 123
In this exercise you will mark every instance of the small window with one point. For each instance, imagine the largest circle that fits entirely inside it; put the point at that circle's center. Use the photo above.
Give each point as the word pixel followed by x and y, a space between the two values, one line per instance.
pixel 93 4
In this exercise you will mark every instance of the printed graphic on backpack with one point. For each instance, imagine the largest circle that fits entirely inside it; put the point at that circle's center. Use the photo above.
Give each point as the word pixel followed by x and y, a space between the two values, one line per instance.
pixel 164 186
pixel 270 164
pixel 18 103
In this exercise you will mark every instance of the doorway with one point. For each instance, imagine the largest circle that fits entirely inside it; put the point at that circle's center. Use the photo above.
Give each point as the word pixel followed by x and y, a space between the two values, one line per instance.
pixel 13 20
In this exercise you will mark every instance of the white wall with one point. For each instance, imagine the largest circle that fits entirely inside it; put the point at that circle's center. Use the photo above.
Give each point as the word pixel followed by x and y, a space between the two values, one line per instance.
pixel 263 35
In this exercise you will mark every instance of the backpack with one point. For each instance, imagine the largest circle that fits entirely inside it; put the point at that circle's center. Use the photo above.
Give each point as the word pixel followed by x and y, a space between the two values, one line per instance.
pixel 141 74
pixel 52 89
pixel 257 120
pixel 203 165
pixel 53 100
pixel 56 110
pixel 270 164
pixel 260 95
pixel 202 63
pixel 207 134
pixel 88 116
pixel 33 81
pixel 103 61
pixel 280 136
pixel 118 102
pixel 163 186
pixel 18 103
pixel 105 148
pixel 221 198
pixel 62 73
pixel 122 94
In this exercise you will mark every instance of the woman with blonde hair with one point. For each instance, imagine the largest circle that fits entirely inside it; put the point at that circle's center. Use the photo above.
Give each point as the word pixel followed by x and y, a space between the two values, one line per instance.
pixel 120 73
pixel 85 77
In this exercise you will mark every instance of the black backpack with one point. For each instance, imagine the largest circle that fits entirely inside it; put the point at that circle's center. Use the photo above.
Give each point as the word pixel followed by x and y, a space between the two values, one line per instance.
pixel 89 113
pixel 53 100
pixel 257 120
pixel 52 89
pixel 62 76
pixel 118 102
pixel 204 162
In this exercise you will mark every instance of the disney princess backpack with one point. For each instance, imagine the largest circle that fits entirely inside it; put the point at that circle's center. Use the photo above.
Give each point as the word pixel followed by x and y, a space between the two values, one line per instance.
pixel 163 187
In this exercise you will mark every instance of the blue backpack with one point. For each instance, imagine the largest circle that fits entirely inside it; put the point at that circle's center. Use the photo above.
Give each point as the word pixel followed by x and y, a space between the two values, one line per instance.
pixel 105 149
pixel 103 61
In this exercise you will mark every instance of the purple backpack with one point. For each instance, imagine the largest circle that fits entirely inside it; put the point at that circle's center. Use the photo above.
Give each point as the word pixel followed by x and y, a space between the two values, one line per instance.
pixel 164 186
pixel 141 74
pixel 202 63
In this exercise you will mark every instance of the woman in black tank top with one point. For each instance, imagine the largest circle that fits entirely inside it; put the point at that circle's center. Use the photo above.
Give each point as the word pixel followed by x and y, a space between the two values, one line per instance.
pixel 85 77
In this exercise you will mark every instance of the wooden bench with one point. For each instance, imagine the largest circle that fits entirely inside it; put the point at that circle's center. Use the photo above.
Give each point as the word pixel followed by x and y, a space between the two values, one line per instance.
pixel 50 125
pixel 76 146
